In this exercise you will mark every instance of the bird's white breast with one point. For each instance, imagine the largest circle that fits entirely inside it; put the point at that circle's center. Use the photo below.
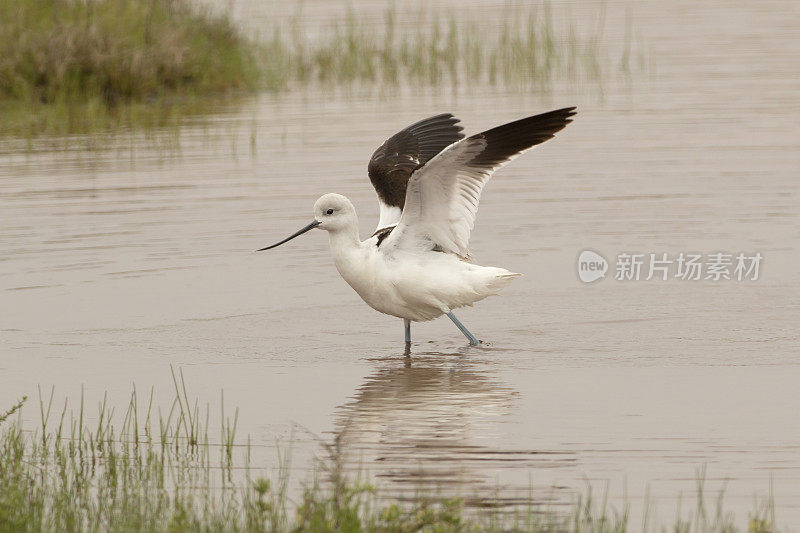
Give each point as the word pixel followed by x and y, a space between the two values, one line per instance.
pixel 365 269
pixel 416 286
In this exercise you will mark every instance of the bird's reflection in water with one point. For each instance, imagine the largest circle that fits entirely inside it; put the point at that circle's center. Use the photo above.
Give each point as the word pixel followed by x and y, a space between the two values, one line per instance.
pixel 432 423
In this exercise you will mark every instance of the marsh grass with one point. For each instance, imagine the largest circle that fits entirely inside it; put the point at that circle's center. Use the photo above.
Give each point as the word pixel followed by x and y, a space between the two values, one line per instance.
pixel 72 65
pixel 165 472
pixel 112 50
pixel 98 66
pixel 528 51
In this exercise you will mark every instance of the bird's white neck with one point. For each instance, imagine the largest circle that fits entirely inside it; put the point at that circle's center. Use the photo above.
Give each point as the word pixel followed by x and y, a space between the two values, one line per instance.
pixel 344 238
pixel 348 256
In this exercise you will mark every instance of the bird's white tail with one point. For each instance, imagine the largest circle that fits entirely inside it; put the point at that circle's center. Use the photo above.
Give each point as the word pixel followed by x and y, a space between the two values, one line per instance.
pixel 499 280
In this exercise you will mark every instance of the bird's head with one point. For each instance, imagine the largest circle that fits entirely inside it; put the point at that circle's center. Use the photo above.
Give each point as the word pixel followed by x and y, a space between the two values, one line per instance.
pixel 332 212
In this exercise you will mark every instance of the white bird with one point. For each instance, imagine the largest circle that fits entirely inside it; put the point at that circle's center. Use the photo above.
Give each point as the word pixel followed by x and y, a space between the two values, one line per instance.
pixel 429 180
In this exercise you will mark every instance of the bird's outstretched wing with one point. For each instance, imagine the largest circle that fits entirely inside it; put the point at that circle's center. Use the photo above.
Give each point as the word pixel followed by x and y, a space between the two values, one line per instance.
pixel 393 163
pixel 442 196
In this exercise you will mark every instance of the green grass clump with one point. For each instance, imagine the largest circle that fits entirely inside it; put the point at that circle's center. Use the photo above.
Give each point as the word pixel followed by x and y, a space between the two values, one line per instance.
pixel 163 472
pixel 79 65
pixel 113 50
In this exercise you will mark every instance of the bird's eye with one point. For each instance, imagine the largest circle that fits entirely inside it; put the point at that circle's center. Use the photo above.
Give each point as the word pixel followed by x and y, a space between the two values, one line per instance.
pixel 329 211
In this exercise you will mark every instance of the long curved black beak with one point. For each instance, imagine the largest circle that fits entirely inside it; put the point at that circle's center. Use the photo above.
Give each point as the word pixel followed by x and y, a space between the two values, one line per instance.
pixel 292 236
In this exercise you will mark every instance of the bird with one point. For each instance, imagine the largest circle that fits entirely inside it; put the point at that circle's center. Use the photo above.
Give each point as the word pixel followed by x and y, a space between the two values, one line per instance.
pixel 428 178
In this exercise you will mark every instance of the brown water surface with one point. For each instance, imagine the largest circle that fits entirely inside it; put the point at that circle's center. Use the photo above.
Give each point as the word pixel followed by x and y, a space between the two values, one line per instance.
pixel 116 264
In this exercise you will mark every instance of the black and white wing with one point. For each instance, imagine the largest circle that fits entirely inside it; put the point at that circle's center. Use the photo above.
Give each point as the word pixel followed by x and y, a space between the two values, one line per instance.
pixel 442 196
pixel 393 163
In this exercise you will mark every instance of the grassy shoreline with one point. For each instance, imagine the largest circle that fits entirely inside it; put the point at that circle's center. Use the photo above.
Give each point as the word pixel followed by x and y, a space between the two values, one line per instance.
pixel 164 472
pixel 111 51
pixel 74 66
pixel 69 66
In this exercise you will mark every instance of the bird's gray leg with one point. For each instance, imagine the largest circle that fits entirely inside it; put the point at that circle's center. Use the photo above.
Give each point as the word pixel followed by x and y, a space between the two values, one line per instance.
pixel 407 324
pixel 472 340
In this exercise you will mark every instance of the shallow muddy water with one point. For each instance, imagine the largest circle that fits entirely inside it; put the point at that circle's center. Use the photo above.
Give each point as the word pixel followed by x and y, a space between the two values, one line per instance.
pixel 117 264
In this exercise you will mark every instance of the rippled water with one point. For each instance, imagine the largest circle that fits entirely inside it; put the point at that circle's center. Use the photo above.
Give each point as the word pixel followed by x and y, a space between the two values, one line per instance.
pixel 117 263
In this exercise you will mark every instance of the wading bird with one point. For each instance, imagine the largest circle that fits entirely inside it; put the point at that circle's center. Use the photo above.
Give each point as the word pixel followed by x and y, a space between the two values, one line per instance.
pixel 429 180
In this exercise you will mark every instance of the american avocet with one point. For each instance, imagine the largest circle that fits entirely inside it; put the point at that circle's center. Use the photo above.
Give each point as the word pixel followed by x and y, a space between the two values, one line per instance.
pixel 429 180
